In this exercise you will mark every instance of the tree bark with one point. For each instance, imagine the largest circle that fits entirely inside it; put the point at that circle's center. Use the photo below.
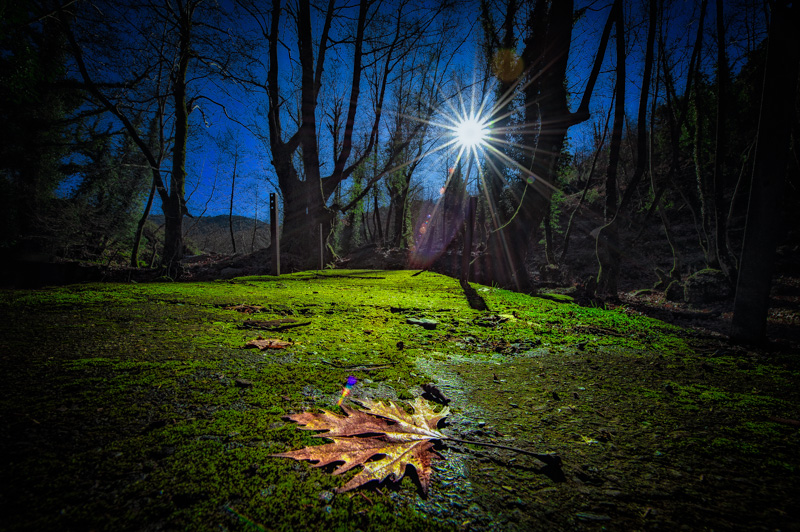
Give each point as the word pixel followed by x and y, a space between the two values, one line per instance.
pixel 769 175
pixel 174 207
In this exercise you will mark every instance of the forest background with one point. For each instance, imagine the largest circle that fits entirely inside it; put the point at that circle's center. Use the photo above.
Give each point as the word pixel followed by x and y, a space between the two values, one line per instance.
pixel 601 128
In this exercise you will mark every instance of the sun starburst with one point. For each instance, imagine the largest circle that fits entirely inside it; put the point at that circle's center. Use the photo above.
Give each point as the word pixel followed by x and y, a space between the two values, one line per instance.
pixel 471 132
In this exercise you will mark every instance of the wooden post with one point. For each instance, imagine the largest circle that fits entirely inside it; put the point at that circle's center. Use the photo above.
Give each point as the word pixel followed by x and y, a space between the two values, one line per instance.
pixel 274 233
pixel 469 221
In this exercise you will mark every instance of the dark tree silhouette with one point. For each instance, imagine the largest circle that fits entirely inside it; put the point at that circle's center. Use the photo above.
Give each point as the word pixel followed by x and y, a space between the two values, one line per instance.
pixel 769 174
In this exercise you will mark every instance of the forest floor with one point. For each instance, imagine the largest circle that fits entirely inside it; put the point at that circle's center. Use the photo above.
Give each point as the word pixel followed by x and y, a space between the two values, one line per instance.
pixel 138 407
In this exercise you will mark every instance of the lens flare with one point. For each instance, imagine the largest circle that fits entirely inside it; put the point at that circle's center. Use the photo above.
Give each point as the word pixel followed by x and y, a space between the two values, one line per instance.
pixel 351 381
pixel 471 132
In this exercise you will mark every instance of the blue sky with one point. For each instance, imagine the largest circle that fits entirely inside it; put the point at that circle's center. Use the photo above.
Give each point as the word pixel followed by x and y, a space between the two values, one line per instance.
pixel 210 170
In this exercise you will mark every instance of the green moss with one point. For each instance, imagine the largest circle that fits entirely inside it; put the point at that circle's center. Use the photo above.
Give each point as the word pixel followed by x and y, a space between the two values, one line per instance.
pixel 728 444
pixel 139 406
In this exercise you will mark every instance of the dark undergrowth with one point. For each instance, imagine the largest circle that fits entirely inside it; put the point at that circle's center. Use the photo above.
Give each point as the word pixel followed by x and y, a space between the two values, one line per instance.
pixel 137 407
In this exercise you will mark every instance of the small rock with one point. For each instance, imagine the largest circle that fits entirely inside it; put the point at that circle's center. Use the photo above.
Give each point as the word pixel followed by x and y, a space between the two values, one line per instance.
pixel 425 323
pixel 243 383
pixel 707 286
pixel 435 393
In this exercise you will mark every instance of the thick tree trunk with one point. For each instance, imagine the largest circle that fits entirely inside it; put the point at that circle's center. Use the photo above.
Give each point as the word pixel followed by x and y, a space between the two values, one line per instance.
pixel 769 175
pixel 303 212
pixel 546 53
pixel 174 206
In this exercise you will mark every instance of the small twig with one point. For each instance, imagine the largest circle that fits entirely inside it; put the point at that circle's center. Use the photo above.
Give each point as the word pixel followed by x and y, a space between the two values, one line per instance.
pixel 367 498
pixel 775 419
pixel 547 458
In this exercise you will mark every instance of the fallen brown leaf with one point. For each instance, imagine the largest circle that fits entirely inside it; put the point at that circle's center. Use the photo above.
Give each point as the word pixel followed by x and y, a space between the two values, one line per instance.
pixel 267 343
pixel 360 435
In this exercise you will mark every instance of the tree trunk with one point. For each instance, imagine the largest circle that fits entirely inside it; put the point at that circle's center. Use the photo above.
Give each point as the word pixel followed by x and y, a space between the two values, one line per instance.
pixel 137 238
pixel 549 251
pixel 230 210
pixel 724 258
pixel 400 201
pixel 769 175
pixel 608 251
pixel 303 212
pixel 546 54
pixel 377 215
pixel 609 245
pixel 174 206
pixel 305 200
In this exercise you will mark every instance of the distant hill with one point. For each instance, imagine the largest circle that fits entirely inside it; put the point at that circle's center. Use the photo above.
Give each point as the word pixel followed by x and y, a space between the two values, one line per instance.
pixel 212 234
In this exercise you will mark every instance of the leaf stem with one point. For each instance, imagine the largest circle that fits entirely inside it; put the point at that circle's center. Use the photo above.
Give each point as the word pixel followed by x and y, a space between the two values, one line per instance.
pixel 547 458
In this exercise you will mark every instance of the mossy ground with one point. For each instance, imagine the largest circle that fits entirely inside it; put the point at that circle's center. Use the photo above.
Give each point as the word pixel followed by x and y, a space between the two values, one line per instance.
pixel 135 407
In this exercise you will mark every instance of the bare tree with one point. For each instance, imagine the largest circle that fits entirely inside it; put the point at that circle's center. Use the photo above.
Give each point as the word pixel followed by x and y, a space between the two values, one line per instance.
pixel 608 252
pixel 162 40
pixel 374 37
pixel 418 94
pixel 608 241
pixel 545 55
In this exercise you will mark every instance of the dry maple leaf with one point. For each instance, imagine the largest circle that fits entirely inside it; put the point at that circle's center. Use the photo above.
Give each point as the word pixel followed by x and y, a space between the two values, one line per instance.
pixel 267 343
pixel 403 438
